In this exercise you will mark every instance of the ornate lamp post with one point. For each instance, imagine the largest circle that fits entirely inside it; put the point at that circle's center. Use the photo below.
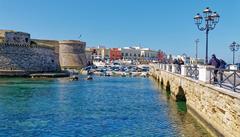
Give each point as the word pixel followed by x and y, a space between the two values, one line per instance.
pixel 234 47
pixel 211 19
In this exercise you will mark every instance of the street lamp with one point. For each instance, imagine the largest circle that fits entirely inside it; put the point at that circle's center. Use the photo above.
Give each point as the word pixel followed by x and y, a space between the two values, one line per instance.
pixel 211 19
pixel 234 47
pixel 197 41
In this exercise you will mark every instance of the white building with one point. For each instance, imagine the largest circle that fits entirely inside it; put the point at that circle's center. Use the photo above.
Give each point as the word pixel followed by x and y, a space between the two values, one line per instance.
pixel 130 53
pixel 138 53
pixel 148 54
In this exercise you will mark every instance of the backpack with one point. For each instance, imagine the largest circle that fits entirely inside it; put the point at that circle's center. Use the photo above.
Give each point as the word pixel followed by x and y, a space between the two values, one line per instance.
pixel 218 63
pixel 222 64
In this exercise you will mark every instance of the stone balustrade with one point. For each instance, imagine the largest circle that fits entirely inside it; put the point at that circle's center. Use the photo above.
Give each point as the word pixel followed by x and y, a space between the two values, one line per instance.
pixel 204 70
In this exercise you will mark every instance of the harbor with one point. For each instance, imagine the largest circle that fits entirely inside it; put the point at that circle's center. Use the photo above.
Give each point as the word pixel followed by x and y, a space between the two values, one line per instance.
pixel 117 69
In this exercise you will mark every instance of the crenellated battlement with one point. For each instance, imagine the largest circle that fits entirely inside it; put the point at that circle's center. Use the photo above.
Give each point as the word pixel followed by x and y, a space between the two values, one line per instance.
pixel 27 46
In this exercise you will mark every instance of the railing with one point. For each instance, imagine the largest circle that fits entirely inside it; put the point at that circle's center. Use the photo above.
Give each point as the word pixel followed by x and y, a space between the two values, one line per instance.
pixel 192 71
pixel 224 78
pixel 176 68
pixel 229 79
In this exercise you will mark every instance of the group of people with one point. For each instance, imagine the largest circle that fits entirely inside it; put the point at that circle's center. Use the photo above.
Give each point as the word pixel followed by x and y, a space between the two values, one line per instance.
pixel 219 64
pixel 179 62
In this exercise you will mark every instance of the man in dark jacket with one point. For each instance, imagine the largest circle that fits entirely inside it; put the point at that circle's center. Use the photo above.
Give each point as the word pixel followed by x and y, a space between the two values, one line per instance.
pixel 222 67
pixel 180 62
pixel 216 63
pixel 222 64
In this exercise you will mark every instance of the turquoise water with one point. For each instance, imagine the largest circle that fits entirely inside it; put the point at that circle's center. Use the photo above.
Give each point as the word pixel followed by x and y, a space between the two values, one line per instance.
pixel 104 107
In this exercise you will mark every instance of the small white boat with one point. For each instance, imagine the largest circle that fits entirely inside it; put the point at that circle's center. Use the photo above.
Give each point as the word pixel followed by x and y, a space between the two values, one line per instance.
pixel 124 74
pixel 73 78
pixel 108 73
pixel 89 77
pixel 144 74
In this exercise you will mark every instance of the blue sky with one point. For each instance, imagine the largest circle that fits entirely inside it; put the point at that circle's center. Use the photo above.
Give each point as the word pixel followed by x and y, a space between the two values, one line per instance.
pixel 157 24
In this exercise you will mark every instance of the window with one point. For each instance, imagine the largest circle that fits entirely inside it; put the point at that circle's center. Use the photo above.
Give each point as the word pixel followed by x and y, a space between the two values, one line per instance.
pixel 26 39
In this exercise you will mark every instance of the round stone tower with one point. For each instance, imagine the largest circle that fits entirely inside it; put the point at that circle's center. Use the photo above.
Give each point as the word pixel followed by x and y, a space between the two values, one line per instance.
pixel 72 54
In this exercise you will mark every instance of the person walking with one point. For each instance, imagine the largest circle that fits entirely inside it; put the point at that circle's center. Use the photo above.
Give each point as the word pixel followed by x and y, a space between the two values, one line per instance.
pixel 175 61
pixel 180 62
pixel 222 67
pixel 214 61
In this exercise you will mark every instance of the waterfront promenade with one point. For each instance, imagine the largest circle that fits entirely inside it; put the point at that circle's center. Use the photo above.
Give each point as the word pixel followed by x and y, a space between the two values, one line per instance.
pixel 216 107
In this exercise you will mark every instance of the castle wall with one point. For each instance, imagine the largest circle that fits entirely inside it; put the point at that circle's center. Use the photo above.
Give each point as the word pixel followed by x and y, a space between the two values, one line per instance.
pixel 29 58
pixel 50 43
pixel 72 54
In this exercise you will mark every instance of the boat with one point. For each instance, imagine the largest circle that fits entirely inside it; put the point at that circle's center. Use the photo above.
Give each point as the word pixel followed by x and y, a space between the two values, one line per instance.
pixel 73 78
pixel 89 77
pixel 124 74
pixel 107 73
pixel 143 74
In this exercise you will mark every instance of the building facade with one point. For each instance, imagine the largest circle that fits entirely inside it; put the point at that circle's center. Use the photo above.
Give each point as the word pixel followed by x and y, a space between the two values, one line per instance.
pixel 138 53
pixel 99 53
pixel 130 53
pixel 125 53
pixel 148 54
pixel 161 56
pixel 115 54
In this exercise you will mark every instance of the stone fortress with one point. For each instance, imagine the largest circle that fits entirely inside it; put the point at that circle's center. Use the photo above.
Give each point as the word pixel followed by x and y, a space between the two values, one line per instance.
pixel 21 55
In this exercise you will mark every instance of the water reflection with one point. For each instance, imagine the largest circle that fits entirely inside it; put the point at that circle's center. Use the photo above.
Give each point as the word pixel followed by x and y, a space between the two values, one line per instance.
pixel 188 125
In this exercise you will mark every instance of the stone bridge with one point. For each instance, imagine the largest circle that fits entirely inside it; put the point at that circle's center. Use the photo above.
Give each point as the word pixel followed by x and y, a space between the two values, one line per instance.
pixel 216 108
